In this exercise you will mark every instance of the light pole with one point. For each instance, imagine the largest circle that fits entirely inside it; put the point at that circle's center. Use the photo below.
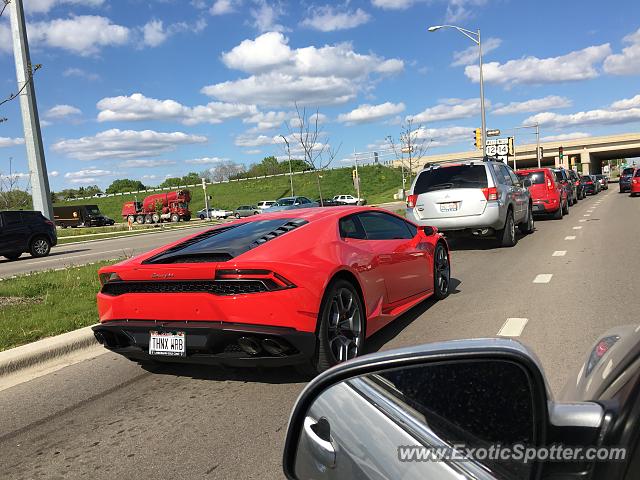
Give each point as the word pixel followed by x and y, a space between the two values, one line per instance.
pixel 289 155
pixel 475 38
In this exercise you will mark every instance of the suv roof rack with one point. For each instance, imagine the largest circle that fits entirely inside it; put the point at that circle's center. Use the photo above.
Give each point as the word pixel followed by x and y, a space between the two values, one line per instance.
pixel 444 162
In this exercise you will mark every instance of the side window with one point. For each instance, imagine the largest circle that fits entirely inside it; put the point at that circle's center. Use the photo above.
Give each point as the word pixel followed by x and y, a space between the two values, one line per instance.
pixel 350 227
pixel 514 177
pixel 382 226
pixel 504 171
pixel 11 218
pixel 413 230
pixel 498 174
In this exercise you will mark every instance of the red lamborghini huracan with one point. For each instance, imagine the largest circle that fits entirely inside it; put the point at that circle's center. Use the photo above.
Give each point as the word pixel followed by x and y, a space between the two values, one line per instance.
pixel 301 287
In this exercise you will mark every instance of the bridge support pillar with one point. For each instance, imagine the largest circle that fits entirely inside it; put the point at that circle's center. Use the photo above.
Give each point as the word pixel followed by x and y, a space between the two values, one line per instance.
pixel 585 160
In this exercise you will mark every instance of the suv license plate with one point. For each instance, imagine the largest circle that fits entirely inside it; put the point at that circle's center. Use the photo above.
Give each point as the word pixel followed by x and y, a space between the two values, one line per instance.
pixel 167 344
pixel 449 207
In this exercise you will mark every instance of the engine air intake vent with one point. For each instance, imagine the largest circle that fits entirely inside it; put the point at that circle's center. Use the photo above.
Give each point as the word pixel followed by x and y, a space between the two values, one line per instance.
pixel 199 258
pixel 282 229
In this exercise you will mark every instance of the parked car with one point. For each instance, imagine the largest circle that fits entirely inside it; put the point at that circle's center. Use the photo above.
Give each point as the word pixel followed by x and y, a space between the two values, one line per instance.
pixel 415 413
pixel 80 216
pixel 358 268
pixel 635 182
pixel 575 178
pixel 349 200
pixel 547 194
pixel 291 203
pixel 246 211
pixel 480 197
pixel 602 179
pixel 26 231
pixel 562 176
pixel 329 203
pixel 264 204
pixel 214 213
pixel 589 184
pixel 625 179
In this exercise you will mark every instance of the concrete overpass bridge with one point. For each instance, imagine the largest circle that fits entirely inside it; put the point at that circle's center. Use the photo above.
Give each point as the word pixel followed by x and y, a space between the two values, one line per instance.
pixel 585 154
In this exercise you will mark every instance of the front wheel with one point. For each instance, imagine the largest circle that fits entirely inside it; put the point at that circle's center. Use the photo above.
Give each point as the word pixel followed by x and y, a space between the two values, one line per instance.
pixel 507 236
pixel 237 215
pixel 40 247
pixel 441 272
pixel 341 333
pixel 528 226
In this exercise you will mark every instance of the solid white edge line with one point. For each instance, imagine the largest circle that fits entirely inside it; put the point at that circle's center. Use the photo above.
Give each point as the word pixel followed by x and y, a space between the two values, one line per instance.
pixel 513 327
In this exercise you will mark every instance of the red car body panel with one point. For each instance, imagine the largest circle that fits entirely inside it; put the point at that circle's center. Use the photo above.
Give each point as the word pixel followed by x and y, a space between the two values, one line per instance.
pixel 547 197
pixel 393 276
pixel 635 182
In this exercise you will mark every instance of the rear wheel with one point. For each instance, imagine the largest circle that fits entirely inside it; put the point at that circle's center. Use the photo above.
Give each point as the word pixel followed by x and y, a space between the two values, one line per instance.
pixel 341 332
pixel 507 236
pixel 131 219
pixel 565 209
pixel 527 226
pixel 155 217
pixel 40 247
pixel 140 219
pixel 559 213
pixel 175 218
pixel 441 272
pixel 148 219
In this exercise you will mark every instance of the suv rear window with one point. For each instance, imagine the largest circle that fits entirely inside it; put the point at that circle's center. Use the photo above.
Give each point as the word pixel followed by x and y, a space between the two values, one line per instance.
pixel 627 171
pixel 456 176
pixel 559 175
pixel 537 178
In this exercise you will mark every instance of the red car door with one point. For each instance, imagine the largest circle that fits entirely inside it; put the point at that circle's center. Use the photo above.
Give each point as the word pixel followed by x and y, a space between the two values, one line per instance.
pixel 403 260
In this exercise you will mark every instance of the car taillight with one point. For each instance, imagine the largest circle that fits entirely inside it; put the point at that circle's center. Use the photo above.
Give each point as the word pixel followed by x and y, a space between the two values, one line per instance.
pixel 490 193
pixel 107 277
pixel 411 201
pixel 589 183
pixel 549 184
pixel 635 181
pixel 271 280
pixel 49 222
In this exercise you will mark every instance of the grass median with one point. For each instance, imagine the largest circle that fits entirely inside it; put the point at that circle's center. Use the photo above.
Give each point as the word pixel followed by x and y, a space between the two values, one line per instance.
pixel 47 303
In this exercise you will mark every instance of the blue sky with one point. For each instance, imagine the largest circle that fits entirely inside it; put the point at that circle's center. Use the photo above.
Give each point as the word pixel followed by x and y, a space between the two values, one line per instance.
pixel 149 88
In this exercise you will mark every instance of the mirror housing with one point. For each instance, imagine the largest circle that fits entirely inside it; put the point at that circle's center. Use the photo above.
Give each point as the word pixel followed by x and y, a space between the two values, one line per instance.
pixel 427 230
pixel 526 183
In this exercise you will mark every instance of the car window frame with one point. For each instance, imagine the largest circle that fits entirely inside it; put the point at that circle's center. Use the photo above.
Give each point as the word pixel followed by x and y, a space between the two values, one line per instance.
pixel 358 224
pixel 7 223
pixel 507 179
pixel 384 215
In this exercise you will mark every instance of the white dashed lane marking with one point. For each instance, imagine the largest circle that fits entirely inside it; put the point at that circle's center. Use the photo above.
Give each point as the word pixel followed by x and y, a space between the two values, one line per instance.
pixel 582 220
pixel 559 253
pixel 570 237
pixel 513 327
pixel 577 228
pixel 543 278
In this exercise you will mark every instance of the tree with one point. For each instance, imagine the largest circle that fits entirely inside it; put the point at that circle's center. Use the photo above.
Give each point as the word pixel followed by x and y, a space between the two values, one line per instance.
pixel 15 200
pixel 190 178
pixel 317 152
pixel 125 185
pixel 223 171
pixel 411 146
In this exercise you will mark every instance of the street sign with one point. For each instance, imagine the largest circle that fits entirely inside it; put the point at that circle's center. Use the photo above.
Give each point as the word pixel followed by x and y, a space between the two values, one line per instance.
pixel 493 133
pixel 491 150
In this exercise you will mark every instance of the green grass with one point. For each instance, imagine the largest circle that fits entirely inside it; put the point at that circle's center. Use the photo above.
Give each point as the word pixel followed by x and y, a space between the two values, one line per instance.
pixel 378 184
pixel 125 233
pixel 56 302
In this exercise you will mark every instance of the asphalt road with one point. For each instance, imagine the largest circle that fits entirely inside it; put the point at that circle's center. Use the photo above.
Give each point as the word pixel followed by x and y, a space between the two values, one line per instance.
pixel 108 418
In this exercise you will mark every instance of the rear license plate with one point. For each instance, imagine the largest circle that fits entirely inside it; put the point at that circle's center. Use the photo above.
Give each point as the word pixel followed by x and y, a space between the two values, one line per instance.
pixel 168 344
pixel 449 207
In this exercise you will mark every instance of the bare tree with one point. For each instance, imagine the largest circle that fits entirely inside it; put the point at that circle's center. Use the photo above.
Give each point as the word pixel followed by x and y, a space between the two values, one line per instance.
pixel 11 193
pixel 224 170
pixel 412 145
pixel 317 152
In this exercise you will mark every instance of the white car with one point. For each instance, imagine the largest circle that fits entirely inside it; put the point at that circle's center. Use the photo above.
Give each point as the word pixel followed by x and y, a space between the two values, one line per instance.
pixel 264 204
pixel 349 200
pixel 214 213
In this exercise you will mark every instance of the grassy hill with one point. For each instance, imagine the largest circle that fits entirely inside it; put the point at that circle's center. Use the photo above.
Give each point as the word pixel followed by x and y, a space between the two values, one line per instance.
pixel 377 184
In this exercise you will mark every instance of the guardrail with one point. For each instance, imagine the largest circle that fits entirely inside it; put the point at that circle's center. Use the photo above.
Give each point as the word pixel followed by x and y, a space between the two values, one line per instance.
pixel 302 172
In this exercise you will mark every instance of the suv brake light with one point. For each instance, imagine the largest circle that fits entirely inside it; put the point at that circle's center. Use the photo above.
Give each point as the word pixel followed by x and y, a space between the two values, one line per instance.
pixel 549 184
pixel 411 201
pixel 490 193
pixel 49 222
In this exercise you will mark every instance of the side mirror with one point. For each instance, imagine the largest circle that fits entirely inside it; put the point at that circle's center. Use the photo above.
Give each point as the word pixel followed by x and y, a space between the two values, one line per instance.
pixel 526 183
pixel 387 414
pixel 428 231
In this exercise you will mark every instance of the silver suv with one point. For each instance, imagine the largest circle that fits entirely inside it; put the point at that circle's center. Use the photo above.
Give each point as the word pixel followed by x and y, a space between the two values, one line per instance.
pixel 482 197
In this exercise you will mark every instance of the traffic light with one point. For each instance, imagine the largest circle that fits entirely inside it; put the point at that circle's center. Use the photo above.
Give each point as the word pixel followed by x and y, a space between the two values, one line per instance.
pixel 511 147
pixel 560 152
pixel 478 138
pixel 541 152
pixel 354 174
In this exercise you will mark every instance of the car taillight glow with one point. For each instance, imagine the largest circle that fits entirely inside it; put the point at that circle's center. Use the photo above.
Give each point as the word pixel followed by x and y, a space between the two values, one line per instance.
pixel 411 201
pixel 49 222
pixel 490 193
pixel 107 277
pixel 635 181
pixel 589 183
pixel 247 274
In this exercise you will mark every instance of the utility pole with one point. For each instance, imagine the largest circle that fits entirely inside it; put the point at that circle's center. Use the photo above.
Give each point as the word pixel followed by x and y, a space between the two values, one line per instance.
pixel 289 155
pixel 28 105
pixel 206 197
pixel 538 144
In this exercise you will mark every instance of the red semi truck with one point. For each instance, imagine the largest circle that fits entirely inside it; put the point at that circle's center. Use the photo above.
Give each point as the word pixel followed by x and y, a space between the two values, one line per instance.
pixel 169 206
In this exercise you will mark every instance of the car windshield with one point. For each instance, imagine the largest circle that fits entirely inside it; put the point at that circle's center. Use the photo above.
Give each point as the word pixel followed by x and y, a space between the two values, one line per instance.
pixel 447 177
pixel 93 210
pixel 283 202
pixel 537 178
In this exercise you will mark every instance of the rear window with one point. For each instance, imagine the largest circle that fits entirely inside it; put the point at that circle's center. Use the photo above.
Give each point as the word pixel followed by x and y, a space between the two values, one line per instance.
pixel 638 173
pixel 457 176
pixel 559 175
pixel 627 171
pixel 586 178
pixel 537 178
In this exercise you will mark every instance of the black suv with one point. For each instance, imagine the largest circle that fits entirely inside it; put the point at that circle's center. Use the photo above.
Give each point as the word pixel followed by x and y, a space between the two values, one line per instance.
pixel 25 231
pixel 575 178
pixel 563 178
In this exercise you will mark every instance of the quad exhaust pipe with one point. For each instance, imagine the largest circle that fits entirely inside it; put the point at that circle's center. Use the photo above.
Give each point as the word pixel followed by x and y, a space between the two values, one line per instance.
pixel 250 345
pixel 254 346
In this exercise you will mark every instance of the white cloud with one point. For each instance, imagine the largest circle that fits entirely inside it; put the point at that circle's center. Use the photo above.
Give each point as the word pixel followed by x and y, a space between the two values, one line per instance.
pixel 255 151
pixel 54 173
pixel 533 105
pixel 82 34
pixel 134 163
pixel 577 65
pixel 564 136
pixel 87 176
pixel 619 112
pixel 265 16
pixel 78 72
pixel 6 43
pixel 62 111
pixel 470 55
pixel 371 113
pixel 125 144
pixel 439 137
pixel 248 140
pixel 222 7
pixel 137 107
pixel 10 142
pixel 43 6
pixel 205 160
pixel 449 109
pixel 153 33
pixel 459 10
pixel 280 75
pixel 393 4
pixel 627 62
pixel 267 120
pixel 329 18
